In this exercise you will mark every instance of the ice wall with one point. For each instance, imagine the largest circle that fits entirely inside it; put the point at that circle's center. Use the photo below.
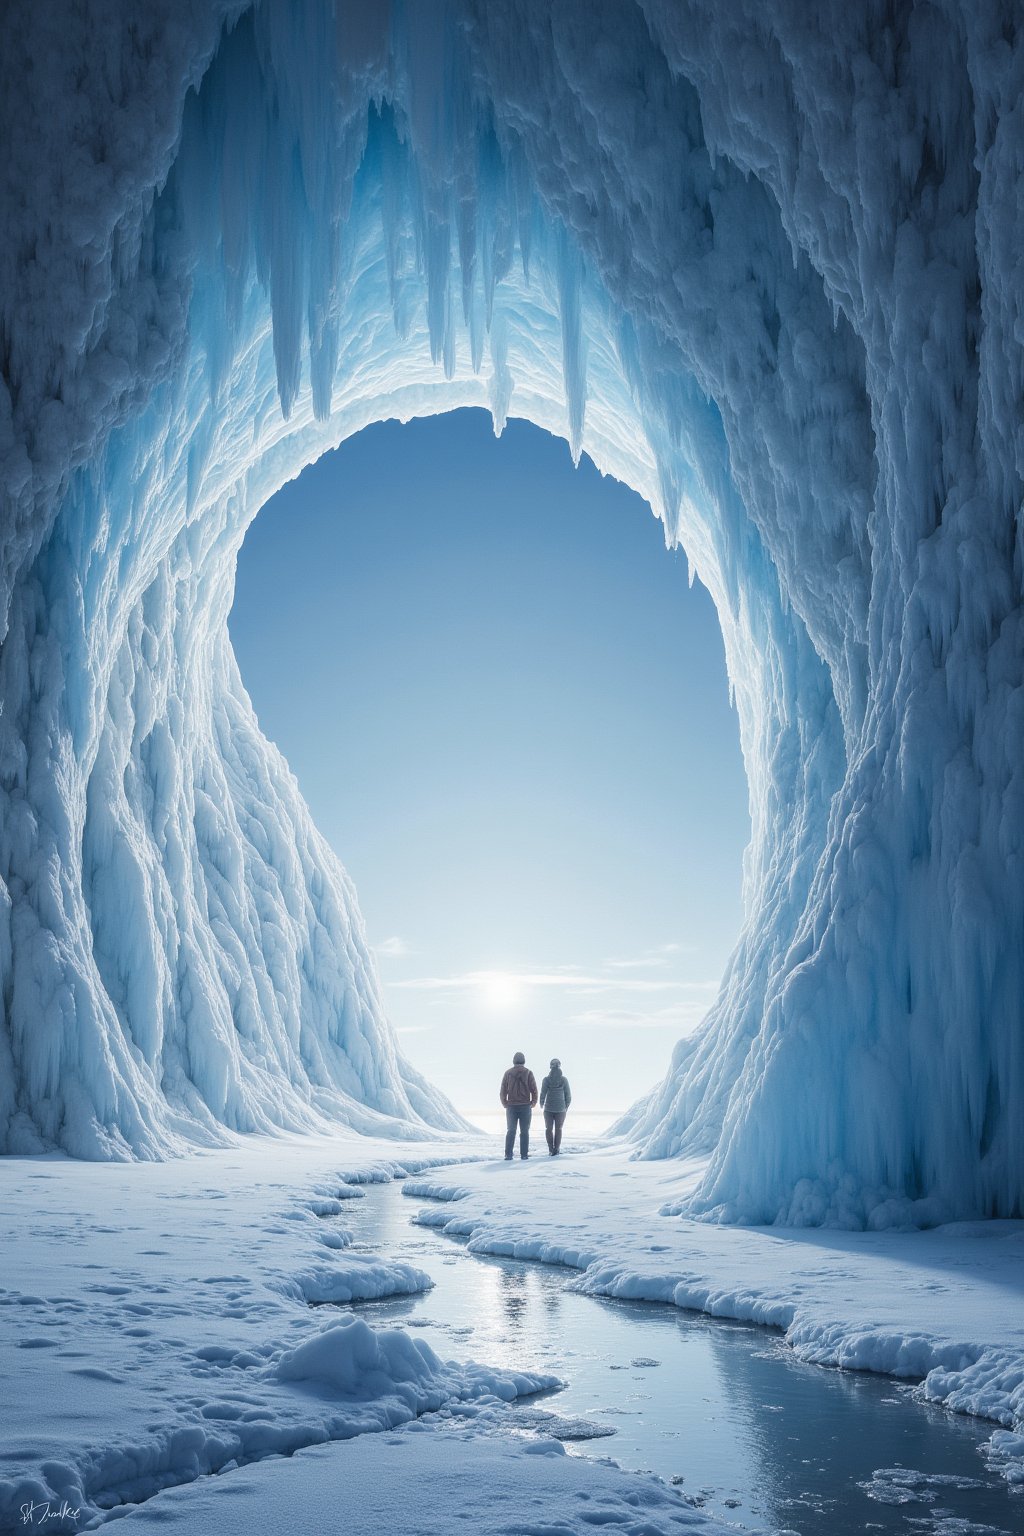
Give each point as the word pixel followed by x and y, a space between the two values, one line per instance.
pixel 761 262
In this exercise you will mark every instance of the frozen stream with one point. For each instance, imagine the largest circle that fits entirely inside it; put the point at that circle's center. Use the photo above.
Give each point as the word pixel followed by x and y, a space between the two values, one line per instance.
pixel 727 1413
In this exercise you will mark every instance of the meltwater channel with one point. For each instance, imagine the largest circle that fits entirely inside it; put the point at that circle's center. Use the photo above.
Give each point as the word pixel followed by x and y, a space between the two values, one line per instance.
pixel 721 1410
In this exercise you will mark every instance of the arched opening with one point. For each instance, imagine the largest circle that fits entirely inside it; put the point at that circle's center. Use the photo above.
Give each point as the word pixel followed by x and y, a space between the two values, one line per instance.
pixel 257 1003
pixel 509 715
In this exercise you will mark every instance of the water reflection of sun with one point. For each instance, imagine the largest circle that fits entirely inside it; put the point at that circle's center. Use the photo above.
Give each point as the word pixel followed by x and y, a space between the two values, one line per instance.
pixel 505 1311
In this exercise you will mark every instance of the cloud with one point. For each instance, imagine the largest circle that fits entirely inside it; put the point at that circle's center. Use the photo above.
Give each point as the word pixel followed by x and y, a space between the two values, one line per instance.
pixel 390 949
pixel 661 954
pixel 682 1017
pixel 640 964
pixel 414 1029
pixel 567 979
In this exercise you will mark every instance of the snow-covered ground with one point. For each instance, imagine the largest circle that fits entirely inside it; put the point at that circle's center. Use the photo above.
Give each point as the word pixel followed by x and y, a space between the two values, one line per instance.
pixel 428 1485
pixel 156 1326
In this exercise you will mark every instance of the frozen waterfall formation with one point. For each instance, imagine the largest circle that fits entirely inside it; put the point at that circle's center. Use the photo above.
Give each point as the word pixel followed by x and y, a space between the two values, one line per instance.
pixel 763 262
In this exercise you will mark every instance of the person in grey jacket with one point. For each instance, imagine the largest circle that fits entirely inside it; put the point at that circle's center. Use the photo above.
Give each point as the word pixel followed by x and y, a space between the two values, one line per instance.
pixel 555 1098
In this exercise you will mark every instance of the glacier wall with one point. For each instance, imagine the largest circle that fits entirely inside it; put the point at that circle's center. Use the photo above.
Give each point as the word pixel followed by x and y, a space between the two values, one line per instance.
pixel 761 262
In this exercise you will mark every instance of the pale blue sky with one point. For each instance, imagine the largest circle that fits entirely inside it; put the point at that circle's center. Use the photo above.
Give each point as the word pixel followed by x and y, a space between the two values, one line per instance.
pixel 509 714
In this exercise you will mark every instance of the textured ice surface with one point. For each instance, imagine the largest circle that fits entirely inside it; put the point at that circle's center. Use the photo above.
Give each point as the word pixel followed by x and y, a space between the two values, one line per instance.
pixel 900 1485
pixel 763 262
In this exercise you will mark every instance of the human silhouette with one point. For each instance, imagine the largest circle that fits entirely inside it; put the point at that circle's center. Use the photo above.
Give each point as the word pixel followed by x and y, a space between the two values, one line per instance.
pixel 518 1096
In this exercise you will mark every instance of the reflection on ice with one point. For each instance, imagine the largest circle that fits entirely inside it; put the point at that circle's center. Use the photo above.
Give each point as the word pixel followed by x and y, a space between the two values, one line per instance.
pixel 722 1410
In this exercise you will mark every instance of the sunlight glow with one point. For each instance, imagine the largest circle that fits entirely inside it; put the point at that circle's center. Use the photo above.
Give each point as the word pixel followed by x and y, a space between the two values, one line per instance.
pixel 499 991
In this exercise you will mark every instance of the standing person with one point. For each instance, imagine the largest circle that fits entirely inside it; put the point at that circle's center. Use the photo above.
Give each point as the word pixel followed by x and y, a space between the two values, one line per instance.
pixel 555 1098
pixel 518 1096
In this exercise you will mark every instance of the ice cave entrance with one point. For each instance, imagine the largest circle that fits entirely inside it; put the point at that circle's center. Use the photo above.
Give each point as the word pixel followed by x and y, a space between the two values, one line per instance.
pixel 509 714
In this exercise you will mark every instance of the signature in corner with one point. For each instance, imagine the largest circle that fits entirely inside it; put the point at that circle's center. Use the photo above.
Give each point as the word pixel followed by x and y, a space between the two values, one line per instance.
pixel 35 1514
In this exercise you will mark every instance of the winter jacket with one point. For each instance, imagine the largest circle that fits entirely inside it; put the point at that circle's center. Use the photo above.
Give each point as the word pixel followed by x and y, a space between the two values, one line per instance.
pixel 555 1093
pixel 518 1086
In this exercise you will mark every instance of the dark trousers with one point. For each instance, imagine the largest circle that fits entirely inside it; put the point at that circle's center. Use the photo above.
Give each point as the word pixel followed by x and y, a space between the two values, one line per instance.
pixel 554 1119
pixel 518 1115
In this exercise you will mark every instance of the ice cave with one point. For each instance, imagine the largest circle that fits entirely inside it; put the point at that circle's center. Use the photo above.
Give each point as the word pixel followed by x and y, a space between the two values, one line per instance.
pixel 762 261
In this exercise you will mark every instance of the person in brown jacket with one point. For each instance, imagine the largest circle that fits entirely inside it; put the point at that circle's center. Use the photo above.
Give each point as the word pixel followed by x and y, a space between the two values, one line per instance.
pixel 518 1096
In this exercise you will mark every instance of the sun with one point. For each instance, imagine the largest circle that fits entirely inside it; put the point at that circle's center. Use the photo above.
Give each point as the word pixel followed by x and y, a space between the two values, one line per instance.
pixel 500 992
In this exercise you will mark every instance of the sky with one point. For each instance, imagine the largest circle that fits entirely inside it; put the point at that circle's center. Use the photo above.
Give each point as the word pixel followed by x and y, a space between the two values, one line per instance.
pixel 509 714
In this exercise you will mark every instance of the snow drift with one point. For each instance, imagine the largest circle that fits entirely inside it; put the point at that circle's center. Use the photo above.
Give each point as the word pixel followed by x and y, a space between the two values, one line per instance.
pixel 760 261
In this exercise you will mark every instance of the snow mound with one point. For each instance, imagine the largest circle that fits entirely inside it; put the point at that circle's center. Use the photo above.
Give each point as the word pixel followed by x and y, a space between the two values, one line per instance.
pixel 355 1360
pixel 358 1278
pixel 432 1189
pixel 330 1205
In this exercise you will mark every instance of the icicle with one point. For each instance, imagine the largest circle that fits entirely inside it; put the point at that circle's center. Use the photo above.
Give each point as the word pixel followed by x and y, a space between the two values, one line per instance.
pixel 574 362
pixel 524 202
pixel 477 330
pixel 497 240
pixel 437 257
pixel 501 378
pixel 671 497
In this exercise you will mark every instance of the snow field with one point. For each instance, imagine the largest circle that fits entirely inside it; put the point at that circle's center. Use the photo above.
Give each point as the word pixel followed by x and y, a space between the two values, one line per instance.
pixel 155 1325
pixel 428 1484
pixel 154 1333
